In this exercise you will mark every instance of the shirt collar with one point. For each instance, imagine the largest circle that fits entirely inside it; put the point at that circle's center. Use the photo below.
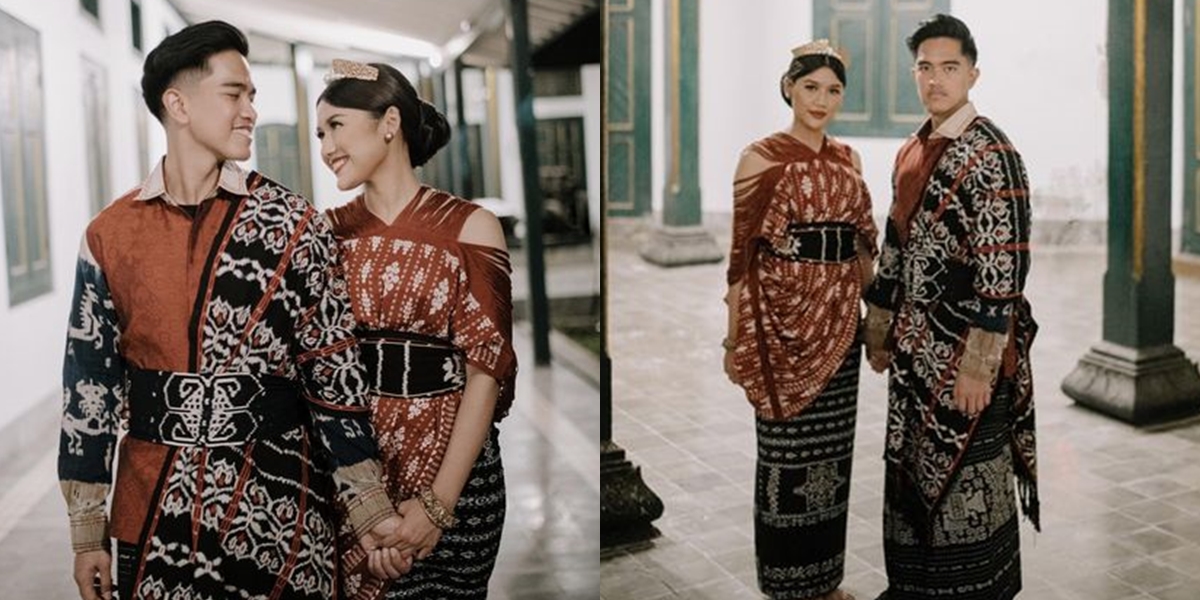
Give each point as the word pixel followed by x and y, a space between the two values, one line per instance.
pixel 232 179
pixel 957 123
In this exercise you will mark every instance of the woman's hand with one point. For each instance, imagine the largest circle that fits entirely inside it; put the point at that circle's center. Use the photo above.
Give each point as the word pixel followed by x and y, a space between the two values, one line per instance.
pixel 418 533
pixel 731 368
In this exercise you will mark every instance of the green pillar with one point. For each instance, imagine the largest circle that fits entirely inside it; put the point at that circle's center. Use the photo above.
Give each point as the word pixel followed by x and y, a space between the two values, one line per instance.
pixel 1136 373
pixel 519 55
pixel 682 240
pixel 627 100
pixel 628 507
pixel 462 145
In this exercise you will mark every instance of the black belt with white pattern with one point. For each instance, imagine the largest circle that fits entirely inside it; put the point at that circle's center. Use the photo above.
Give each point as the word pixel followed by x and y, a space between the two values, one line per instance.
pixel 211 409
pixel 818 242
pixel 409 365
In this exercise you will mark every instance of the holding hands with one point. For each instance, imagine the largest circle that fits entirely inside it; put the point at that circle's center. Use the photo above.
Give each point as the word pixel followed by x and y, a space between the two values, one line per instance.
pixel 384 559
pixel 395 542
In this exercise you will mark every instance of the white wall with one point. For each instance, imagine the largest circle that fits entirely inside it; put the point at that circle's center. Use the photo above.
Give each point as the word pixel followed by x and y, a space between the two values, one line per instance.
pixel 1042 80
pixel 32 334
pixel 1064 141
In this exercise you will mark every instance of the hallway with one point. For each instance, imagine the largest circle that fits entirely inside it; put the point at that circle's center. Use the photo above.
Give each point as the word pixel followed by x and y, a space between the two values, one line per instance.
pixel 1120 506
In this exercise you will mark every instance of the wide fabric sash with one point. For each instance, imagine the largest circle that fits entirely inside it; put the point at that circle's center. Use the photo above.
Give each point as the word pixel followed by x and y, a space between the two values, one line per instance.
pixel 408 365
pixel 818 242
pixel 213 409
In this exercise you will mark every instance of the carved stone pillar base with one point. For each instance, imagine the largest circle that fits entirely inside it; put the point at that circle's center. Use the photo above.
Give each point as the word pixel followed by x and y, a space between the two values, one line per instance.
pixel 627 505
pixel 679 246
pixel 1141 387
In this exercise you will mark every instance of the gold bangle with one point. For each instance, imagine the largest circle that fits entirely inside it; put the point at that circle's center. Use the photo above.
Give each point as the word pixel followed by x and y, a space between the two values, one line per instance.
pixel 439 515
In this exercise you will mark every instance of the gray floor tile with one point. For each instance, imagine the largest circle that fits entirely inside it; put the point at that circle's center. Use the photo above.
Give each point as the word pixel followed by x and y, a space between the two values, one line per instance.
pixel 1121 506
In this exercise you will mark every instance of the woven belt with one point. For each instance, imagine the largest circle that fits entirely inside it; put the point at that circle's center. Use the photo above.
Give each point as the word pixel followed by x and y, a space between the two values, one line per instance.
pixel 818 242
pixel 406 365
pixel 204 410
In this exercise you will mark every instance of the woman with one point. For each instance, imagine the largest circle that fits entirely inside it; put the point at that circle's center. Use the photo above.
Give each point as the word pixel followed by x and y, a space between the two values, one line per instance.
pixel 803 242
pixel 428 277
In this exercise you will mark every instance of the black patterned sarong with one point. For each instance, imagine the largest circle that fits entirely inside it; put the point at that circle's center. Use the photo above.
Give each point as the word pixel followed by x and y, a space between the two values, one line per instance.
pixel 463 559
pixel 802 491
pixel 969 547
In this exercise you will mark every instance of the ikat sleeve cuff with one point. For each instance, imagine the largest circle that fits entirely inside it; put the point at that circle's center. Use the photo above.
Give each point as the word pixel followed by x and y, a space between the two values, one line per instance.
pixel 366 499
pixel 983 354
pixel 85 506
pixel 876 327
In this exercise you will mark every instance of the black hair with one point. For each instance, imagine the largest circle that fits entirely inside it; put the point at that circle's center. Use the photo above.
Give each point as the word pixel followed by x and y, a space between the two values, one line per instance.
pixel 803 65
pixel 944 26
pixel 425 129
pixel 186 50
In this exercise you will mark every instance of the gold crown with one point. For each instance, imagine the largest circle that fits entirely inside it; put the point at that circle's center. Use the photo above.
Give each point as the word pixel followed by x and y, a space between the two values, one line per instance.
pixel 820 47
pixel 348 69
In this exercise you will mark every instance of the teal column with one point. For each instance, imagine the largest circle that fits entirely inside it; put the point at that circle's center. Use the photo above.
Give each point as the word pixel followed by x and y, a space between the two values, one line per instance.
pixel 628 507
pixel 682 240
pixel 522 74
pixel 627 100
pixel 1136 373
pixel 462 145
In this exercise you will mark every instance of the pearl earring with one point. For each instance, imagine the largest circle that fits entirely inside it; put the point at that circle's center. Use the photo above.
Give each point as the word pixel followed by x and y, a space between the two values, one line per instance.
pixel 387 137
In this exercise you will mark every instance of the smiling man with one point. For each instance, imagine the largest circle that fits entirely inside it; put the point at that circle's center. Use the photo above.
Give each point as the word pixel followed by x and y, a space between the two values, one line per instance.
pixel 210 320
pixel 947 315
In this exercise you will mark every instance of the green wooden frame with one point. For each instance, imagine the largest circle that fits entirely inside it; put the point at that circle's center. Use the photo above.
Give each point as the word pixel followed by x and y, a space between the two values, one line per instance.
pixel 881 97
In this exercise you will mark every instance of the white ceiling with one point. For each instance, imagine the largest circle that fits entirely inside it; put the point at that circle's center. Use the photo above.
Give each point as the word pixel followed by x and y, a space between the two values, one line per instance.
pixel 435 30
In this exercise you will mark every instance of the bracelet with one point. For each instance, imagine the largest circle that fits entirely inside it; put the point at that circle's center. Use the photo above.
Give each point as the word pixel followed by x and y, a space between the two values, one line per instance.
pixel 442 517
pixel 728 344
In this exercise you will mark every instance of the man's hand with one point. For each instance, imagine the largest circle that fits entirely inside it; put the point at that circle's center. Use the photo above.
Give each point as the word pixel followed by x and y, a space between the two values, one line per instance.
pixel 418 533
pixel 971 395
pixel 383 560
pixel 93 572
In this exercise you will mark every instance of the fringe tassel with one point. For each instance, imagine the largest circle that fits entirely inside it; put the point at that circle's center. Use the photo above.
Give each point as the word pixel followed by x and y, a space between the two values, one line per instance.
pixel 1030 505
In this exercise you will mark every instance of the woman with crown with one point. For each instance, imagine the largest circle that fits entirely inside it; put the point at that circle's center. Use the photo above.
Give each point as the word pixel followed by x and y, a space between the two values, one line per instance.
pixel 802 252
pixel 428 278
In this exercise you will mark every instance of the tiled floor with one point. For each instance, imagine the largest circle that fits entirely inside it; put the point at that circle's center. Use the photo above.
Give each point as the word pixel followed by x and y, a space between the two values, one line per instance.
pixel 550 449
pixel 1121 506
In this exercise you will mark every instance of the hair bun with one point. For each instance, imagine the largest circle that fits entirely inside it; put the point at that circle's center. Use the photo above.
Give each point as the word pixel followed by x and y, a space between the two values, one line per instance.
pixel 433 133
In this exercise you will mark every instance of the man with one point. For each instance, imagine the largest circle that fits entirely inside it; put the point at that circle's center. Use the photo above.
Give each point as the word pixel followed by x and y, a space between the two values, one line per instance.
pixel 210 319
pixel 947 314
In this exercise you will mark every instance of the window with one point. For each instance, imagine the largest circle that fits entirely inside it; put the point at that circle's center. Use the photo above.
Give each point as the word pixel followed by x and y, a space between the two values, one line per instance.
pixel 562 169
pixel 135 25
pixel 881 98
pixel 95 121
pixel 557 82
pixel 278 152
pixel 22 162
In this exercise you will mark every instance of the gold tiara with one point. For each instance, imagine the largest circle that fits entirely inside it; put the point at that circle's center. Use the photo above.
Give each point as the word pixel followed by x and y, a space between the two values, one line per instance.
pixel 820 47
pixel 348 69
